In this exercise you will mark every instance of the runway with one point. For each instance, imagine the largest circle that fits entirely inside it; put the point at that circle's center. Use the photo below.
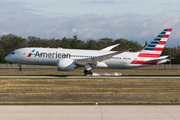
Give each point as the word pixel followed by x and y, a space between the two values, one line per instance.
pixel 101 76
pixel 91 112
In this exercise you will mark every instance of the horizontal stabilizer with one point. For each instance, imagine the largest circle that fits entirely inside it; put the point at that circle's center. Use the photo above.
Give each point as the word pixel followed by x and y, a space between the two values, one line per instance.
pixel 160 58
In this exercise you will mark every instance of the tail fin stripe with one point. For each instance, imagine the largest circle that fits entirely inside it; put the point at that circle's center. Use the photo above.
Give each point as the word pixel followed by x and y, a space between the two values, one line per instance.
pixel 149 55
pixel 160 36
pixel 160 46
pixel 166 29
pixel 165 36
pixel 164 39
pixel 168 33
pixel 157 49
pixel 162 42
pixel 151 45
pixel 169 30
pixel 154 42
pixel 157 39
pixel 151 52
pixel 148 48
pixel 163 33
pixel 144 62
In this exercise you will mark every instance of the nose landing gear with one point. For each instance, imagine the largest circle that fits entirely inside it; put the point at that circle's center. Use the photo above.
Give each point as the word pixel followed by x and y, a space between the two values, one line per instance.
pixel 20 69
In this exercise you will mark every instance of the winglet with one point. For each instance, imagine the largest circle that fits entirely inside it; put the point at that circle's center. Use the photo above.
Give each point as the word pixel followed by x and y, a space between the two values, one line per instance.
pixel 109 48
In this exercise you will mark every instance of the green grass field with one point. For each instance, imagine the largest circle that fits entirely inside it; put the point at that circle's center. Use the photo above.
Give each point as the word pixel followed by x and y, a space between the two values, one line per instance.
pixel 78 91
pixel 89 91
pixel 50 70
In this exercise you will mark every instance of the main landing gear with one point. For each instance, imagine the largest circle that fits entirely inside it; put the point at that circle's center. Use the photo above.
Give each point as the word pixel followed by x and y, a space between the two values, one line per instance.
pixel 87 73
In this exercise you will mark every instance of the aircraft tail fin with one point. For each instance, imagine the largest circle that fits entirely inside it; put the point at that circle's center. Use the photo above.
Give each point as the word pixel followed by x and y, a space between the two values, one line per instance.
pixel 155 47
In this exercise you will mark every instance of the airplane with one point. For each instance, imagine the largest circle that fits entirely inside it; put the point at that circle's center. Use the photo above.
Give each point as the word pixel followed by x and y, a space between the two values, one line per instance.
pixel 70 59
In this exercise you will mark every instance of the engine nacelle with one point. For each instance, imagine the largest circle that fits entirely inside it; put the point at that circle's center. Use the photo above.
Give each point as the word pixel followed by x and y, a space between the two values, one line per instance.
pixel 66 65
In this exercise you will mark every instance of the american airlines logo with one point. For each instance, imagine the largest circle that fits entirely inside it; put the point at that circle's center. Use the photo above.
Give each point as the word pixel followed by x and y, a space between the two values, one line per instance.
pixel 49 55
pixel 29 55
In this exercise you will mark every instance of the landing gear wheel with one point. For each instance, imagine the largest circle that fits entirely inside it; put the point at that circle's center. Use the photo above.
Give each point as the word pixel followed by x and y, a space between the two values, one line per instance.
pixel 20 69
pixel 87 73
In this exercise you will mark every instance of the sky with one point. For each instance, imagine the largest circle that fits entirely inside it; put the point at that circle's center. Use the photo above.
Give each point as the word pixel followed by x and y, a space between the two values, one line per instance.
pixel 136 20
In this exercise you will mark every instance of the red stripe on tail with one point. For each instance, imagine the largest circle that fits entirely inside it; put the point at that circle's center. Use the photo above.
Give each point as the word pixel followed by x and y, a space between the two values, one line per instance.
pixel 157 49
pixel 144 62
pixel 149 55
pixel 165 36
pixel 170 30
pixel 162 42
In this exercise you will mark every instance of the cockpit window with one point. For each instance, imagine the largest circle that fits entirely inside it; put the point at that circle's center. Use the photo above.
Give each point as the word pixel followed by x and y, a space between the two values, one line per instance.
pixel 13 53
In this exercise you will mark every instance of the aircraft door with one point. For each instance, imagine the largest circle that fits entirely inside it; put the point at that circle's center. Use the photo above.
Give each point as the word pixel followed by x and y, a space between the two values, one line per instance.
pixel 23 54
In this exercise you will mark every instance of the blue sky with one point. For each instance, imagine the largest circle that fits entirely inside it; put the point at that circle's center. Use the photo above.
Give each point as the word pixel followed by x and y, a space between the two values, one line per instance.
pixel 99 7
pixel 137 20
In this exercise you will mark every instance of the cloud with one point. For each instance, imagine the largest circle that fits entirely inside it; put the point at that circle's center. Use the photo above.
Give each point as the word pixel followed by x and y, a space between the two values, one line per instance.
pixel 102 1
pixel 4 33
pixel 169 3
pixel 107 1
pixel 22 22
pixel 175 11
pixel 44 6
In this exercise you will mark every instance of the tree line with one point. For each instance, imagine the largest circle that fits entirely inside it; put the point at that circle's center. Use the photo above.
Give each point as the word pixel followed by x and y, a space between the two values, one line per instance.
pixel 10 42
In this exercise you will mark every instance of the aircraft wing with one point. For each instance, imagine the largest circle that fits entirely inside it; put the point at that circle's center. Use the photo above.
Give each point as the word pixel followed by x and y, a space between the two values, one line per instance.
pixel 94 60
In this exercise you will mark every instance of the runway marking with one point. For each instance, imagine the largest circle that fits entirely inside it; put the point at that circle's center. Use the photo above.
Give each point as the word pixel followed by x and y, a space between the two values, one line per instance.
pixel 95 114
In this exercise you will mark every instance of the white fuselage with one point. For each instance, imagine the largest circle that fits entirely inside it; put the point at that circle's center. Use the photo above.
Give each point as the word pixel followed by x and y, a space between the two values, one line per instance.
pixel 50 56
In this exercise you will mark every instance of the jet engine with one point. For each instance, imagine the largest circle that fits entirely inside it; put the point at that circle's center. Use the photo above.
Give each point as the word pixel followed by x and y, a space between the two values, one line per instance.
pixel 66 65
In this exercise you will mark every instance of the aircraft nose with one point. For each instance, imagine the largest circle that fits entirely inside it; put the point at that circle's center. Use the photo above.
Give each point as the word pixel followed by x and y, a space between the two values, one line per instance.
pixel 7 58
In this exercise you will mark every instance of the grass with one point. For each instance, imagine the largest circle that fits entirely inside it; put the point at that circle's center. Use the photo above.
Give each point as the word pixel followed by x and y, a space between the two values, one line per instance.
pixel 51 70
pixel 88 91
